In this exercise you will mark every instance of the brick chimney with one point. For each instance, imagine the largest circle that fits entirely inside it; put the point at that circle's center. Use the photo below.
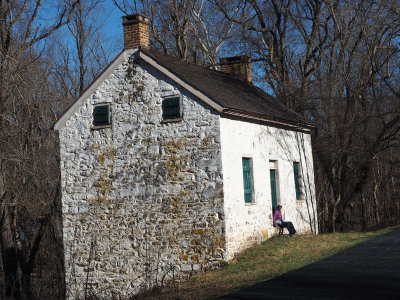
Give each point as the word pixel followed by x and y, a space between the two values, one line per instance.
pixel 238 66
pixel 136 31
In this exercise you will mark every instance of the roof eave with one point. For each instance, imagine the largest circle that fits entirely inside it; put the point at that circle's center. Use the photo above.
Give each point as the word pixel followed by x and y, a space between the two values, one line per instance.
pixel 269 119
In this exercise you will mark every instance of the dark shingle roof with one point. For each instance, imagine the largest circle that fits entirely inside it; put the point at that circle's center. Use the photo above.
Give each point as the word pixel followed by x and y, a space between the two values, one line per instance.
pixel 231 93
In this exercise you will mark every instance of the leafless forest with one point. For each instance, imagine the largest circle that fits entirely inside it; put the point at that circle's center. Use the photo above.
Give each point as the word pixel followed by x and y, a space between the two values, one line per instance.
pixel 336 62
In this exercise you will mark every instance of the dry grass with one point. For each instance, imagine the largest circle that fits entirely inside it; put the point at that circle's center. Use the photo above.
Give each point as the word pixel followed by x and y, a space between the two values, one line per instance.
pixel 274 257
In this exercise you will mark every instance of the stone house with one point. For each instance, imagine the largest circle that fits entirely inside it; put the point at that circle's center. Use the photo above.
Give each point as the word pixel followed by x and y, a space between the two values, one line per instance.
pixel 168 167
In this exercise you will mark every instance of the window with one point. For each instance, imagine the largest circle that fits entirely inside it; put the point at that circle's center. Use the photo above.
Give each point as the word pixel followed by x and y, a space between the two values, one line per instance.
pixel 247 180
pixel 101 115
pixel 297 181
pixel 172 108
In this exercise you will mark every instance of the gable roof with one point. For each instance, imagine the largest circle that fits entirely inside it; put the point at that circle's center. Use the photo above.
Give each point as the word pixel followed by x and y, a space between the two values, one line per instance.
pixel 235 96
pixel 225 93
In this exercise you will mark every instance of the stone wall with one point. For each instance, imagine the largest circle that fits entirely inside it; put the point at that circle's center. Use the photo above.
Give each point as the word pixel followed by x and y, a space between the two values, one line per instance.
pixel 142 200
pixel 251 223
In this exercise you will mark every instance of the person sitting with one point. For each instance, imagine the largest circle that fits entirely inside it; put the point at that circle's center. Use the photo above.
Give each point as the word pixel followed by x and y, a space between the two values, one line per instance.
pixel 278 222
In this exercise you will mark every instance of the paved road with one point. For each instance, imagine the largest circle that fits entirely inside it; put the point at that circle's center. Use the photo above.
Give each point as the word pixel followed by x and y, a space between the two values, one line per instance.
pixel 370 270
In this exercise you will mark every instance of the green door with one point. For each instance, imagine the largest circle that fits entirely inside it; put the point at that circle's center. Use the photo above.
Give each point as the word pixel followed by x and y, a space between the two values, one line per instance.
pixel 272 175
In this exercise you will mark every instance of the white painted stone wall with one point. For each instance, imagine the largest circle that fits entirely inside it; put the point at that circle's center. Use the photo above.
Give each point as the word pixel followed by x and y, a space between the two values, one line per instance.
pixel 141 199
pixel 248 224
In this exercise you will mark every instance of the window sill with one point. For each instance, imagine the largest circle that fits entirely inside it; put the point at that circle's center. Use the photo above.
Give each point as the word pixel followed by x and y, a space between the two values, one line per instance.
pixel 164 121
pixel 100 127
pixel 250 203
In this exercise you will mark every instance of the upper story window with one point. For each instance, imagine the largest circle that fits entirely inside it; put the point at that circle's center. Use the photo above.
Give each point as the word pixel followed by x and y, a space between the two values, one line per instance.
pixel 172 108
pixel 101 115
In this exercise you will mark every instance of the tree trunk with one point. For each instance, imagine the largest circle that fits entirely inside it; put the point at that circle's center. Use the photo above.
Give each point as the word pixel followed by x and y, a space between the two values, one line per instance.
pixel 26 285
pixel 338 200
pixel 9 255
pixel 364 211
pixel 376 204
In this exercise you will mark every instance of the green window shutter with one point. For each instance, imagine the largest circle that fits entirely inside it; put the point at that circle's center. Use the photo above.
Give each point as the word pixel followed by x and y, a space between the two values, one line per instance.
pixel 101 115
pixel 172 108
pixel 296 179
pixel 272 174
pixel 248 187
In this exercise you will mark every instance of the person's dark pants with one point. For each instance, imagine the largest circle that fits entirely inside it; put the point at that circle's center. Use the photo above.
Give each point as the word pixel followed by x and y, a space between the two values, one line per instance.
pixel 289 226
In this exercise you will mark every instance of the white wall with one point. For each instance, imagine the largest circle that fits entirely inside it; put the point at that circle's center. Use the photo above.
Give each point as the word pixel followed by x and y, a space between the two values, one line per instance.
pixel 247 224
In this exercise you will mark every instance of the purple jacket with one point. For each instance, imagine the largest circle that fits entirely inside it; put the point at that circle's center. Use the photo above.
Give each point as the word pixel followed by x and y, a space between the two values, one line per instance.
pixel 277 216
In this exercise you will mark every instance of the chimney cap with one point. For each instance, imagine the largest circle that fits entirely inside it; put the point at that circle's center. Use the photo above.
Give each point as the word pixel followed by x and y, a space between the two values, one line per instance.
pixel 235 59
pixel 134 19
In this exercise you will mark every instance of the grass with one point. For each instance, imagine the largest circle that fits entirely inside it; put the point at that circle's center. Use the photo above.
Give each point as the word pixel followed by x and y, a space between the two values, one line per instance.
pixel 272 258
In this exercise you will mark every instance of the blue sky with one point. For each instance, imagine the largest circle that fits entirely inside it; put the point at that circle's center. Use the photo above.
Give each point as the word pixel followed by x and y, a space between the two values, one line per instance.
pixel 113 24
pixel 110 18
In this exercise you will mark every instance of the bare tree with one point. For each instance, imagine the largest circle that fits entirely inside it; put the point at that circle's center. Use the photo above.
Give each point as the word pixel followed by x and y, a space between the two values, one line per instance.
pixel 28 181
pixel 81 50
pixel 360 118
pixel 211 32
pixel 193 30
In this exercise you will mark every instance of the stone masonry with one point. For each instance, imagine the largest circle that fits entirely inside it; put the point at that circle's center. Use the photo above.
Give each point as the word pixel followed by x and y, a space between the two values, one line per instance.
pixel 142 199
